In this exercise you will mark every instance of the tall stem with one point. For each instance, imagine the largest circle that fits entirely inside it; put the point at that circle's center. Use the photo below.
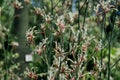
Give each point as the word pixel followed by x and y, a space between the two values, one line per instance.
pixel 109 51
pixel 51 37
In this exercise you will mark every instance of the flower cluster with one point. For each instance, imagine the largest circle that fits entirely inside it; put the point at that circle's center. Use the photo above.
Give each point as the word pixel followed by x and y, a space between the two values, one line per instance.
pixel 67 45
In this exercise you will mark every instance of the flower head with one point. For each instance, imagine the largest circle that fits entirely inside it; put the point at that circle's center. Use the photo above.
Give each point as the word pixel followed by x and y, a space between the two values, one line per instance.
pixel 17 4
pixel 30 35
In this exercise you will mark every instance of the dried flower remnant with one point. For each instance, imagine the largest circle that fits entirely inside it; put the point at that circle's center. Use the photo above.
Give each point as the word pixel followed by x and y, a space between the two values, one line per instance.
pixel 27 1
pixel 14 44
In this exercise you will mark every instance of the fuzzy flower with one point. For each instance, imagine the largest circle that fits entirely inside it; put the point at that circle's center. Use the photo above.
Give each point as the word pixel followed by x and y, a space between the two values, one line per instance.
pixel 61 23
pixel 59 51
pixel 30 35
pixel 48 18
pixel 17 4
pixel 41 47
pixel 42 26
pixel 39 11
pixel 61 26
pixel 32 75
pixel 103 6
pixel 84 48
pixel 71 15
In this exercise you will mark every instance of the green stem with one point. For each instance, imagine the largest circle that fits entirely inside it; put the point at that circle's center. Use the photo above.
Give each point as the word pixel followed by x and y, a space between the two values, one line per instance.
pixel 85 15
pixel 79 9
pixel 115 63
pixel 113 16
pixel 101 54
pixel 50 36
pixel 109 51
pixel 102 29
pixel 79 21
pixel 56 4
